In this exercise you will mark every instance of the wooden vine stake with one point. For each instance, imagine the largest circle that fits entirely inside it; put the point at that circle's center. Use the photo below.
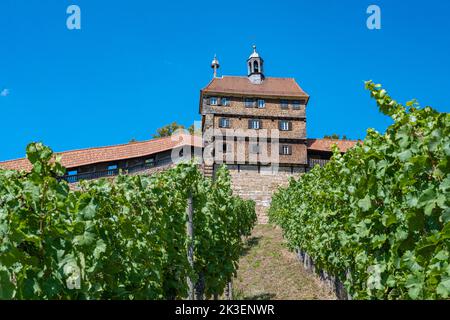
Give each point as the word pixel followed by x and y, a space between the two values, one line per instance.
pixel 229 290
pixel 190 234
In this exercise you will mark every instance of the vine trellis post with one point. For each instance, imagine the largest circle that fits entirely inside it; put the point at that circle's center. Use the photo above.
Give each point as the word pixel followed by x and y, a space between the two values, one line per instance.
pixel 190 234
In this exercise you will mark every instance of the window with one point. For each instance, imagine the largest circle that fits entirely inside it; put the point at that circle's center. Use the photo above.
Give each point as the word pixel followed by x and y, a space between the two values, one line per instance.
pixel 149 162
pixel 72 176
pixel 285 125
pixel 225 101
pixel 112 169
pixel 224 123
pixel 285 149
pixel 284 104
pixel 254 124
pixel 249 102
pixel 296 104
pixel 261 103
pixel 213 101
pixel 256 66
pixel 254 148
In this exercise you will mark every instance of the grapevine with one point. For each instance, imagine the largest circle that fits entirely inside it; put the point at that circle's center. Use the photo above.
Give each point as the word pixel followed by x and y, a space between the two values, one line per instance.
pixel 378 217
pixel 120 239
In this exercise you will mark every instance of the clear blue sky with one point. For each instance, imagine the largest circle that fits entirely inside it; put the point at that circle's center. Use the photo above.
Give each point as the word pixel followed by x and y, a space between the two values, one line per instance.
pixel 137 65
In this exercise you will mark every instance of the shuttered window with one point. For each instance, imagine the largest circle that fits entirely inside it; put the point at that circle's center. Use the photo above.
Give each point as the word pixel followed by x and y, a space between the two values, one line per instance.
pixel 261 103
pixel 254 124
pixel 296 105
pixel 284 104
pixel 224 123
pixel 285 149
pixel 249 103
pixel 285 125
pixel 213 101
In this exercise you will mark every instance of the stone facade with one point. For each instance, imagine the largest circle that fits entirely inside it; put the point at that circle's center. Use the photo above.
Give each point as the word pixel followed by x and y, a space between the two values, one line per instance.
pixel 258 183
pixel 297 128
pixel 245 152
pixel 273 108
pixel 262 156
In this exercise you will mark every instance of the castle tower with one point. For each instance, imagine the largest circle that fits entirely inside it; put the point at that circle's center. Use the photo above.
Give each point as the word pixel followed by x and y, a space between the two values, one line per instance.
pixel 266 118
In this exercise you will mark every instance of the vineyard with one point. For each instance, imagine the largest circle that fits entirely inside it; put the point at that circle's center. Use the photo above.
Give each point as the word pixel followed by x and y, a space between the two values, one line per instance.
pixel 120 239
pixel 378 217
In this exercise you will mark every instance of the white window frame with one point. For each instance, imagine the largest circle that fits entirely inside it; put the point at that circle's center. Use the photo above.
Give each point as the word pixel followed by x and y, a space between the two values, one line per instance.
pixel 261 103
pixel 286 150
pixel 215 99
pixel 224 123
pixel 284 125
pixel 252 122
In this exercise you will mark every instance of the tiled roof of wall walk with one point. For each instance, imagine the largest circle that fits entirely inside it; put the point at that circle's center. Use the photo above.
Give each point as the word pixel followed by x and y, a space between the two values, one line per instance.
pixel 279 87
pixel 326 144
pixel 77 158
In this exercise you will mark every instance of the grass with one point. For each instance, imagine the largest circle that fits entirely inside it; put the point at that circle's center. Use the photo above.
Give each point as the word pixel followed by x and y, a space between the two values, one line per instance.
pixel 268 270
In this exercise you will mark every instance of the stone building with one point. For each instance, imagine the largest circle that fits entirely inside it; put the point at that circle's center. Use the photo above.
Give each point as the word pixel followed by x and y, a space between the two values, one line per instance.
pixel 256 125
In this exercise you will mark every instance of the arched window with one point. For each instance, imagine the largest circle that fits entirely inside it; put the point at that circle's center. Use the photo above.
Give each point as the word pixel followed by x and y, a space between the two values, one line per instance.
pixel 255 66
pixel 249 67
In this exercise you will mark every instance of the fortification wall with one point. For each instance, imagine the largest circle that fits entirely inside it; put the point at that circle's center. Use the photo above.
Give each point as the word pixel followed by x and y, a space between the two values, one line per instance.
pixel 258 183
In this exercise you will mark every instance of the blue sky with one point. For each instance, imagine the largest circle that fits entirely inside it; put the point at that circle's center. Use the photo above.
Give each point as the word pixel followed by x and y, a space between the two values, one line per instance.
pixel 136 65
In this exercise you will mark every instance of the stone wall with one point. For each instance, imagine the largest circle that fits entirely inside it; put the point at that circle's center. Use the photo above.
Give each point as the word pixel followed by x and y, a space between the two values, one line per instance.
pixel 258 183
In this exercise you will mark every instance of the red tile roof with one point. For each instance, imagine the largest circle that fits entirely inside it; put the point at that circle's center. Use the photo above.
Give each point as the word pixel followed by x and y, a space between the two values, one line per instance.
pixel 77 158
pixel 278 87
pixel 326 144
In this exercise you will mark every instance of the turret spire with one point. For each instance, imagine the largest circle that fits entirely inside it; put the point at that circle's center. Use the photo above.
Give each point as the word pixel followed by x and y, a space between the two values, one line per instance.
pixel 215 65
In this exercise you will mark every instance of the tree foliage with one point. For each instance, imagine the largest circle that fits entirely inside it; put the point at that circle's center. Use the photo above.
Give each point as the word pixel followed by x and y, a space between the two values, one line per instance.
pixel 378 216
pixel 172 128
pixel 121 239
pixel 168 130
pixel 335 136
